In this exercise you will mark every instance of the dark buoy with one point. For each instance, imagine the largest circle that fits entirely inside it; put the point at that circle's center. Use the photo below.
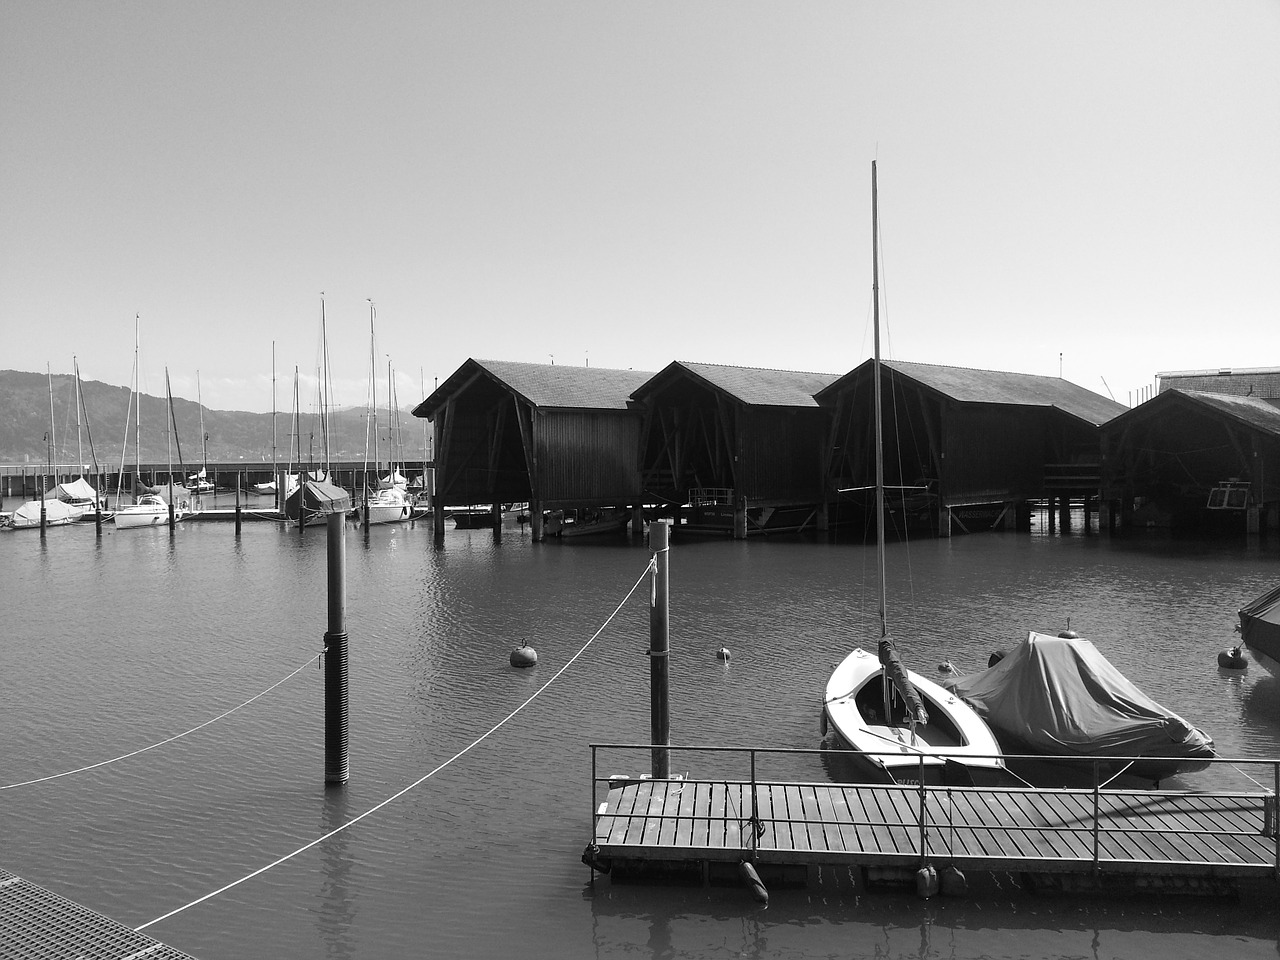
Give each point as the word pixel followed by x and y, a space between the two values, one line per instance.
pixel 524 656
pixel 996 657
pixel 723 654
pixel 1233 659
pixel 752 879
pixel 953 882
pixel 1069 635
pixel 926 882
pixel 946 666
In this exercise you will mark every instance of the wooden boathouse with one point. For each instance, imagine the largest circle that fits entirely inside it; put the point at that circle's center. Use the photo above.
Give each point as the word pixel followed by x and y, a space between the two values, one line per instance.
pixel 963 448
pixel 1196 459
pixel 742 446
pixel 550 436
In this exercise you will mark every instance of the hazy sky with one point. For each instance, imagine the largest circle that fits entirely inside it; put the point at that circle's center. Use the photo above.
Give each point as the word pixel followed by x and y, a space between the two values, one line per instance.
pixel 1091 188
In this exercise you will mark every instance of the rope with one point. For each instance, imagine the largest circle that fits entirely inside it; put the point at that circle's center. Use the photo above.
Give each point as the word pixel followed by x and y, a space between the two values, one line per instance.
pixel 427 776
pixel 134 753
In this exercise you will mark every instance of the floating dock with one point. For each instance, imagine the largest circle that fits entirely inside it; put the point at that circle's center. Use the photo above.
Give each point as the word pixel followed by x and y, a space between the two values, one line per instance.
pixel 38 924
pixel 687 827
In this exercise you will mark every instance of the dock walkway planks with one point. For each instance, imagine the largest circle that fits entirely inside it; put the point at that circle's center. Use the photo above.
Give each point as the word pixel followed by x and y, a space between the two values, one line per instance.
pixel 1026 829
pixel 38 924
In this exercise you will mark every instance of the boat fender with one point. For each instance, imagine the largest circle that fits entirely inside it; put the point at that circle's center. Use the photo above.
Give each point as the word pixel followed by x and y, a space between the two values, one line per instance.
pixel 926 882
pixel 1233 659
pixel 723 654
pixel 822 721
pixel 953 882
pixel 996 657
pixel 752 879
pixel 591 857
pixel 524 656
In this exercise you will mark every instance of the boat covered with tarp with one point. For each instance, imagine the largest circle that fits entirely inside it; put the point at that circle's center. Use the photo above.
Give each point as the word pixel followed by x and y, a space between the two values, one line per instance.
pixel 315 500
pixel 1260 629
pixel 1059 697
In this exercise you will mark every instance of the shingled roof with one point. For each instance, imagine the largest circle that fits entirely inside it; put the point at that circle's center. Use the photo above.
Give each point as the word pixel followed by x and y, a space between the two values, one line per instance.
pixel 1254 412
pixel 753 386
pixel 544 385
pixel 968 385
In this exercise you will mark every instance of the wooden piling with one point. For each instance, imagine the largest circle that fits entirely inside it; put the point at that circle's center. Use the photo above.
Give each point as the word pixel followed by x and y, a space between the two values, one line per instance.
pixel 659 650
pixel 336 764
pixel 238 480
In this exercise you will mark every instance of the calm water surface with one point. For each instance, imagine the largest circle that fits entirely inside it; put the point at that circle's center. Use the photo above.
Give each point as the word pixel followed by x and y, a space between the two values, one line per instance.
pixel 111 645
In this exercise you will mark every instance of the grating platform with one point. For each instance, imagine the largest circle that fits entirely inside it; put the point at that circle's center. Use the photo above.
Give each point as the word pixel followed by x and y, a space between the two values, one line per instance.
pixel 35 923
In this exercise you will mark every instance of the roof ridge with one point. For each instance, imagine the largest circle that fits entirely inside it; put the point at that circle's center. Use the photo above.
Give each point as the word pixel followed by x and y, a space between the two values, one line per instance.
pixel 738 366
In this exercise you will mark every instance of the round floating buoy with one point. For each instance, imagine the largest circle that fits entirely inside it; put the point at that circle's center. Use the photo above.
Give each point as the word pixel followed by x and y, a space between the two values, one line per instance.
pixel 953 882
pixel 524 656
pixel 723 654
pixel 1069 635
pixel 946 666
pixel 996 657
pixel 752 879
pixel 926 882
pixel 1232 659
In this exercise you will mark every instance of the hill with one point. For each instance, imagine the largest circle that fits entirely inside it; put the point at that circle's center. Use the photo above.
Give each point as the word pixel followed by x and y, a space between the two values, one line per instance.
pixel 232 434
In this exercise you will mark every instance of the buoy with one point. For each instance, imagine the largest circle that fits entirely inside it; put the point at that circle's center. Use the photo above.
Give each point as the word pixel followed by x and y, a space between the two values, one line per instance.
pixel 946 666
pixel 723 654
pixel 996 657
pixel 926 882
pixel 953 882
pixel 1233 659
pixel 1069 635
pixel 524 656
pixel 752 879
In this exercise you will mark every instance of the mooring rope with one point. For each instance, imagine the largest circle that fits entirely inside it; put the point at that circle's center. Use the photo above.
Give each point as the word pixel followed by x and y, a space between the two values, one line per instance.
pixel 134 753
pixel 652 566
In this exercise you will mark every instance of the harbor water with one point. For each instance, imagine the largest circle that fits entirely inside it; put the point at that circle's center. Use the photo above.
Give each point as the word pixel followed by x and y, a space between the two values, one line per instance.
pixel 111 644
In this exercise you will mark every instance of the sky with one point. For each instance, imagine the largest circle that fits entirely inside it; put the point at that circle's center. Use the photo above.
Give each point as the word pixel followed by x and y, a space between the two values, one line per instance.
pixel 1088 190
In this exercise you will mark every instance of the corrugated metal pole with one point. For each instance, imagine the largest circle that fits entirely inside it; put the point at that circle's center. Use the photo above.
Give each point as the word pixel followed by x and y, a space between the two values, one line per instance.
pixel 659 650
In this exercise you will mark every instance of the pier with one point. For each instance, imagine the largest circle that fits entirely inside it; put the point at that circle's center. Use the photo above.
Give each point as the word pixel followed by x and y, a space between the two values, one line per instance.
pixel 37 923
pixel 691 828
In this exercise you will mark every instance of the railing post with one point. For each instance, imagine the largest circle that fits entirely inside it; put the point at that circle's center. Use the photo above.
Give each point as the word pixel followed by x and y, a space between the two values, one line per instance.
pixel 1097 819
pixel 659 653
pixel 924 816
pixel 755 809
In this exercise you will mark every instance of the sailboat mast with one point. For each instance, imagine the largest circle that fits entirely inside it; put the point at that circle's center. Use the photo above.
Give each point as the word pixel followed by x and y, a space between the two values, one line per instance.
pixel 168 430
pixel 204 451
pixel 53 437
pixel 875 313
pixel 137 423
pixel 273 411
pixel 75 364
pixel 373 391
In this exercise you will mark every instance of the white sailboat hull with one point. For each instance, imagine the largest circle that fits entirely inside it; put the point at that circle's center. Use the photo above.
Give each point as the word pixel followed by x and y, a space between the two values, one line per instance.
pixel 149 511
pixel 889 749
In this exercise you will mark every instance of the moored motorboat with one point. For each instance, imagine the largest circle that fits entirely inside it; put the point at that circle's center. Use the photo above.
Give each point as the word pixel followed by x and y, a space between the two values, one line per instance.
pixel 1059 698
pixel 1260 629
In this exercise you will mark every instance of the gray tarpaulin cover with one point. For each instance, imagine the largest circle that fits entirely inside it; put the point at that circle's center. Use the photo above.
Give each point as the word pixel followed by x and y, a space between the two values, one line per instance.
pixel 1061 696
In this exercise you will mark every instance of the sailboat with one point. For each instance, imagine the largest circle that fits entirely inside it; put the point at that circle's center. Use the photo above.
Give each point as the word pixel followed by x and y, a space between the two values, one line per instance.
pixel 150 509
pixel 902 727
pixel 269 488
pixel 48 510
pixel 387 503
pixel 199 482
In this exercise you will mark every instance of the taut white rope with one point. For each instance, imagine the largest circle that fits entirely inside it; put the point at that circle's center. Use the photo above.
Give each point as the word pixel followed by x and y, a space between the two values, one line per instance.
pixel 427 776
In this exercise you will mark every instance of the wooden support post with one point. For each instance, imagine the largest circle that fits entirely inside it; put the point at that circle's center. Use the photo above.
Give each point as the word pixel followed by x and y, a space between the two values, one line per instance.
pixel 43 517
pixel 496 510
pixel 637 519
pixel 535 521
pixel 944 521
pixel 1064 514
pixel 740 518
pixel 1053 517
pixel 659 651
pixel 336 764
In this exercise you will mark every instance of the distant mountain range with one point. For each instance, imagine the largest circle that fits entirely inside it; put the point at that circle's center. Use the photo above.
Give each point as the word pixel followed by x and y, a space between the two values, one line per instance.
pixel 232 435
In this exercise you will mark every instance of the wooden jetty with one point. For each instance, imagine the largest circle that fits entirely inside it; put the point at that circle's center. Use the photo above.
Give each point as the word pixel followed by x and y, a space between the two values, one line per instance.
pixel 37 923
pixel 693 827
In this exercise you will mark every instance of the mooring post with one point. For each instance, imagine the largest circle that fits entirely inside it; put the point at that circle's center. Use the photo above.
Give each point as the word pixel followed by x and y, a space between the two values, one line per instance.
pixel 659 650
pixel 336 768
pixel 43 518
pixel 237 503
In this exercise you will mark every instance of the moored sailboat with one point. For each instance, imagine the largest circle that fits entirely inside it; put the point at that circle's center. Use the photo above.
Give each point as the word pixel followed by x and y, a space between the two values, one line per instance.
pixel 900 726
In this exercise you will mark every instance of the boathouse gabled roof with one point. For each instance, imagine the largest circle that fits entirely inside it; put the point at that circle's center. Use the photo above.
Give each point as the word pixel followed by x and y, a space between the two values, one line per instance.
pixel 543 385
pixel 1253 412
pixel 967 385
pixel 753 386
